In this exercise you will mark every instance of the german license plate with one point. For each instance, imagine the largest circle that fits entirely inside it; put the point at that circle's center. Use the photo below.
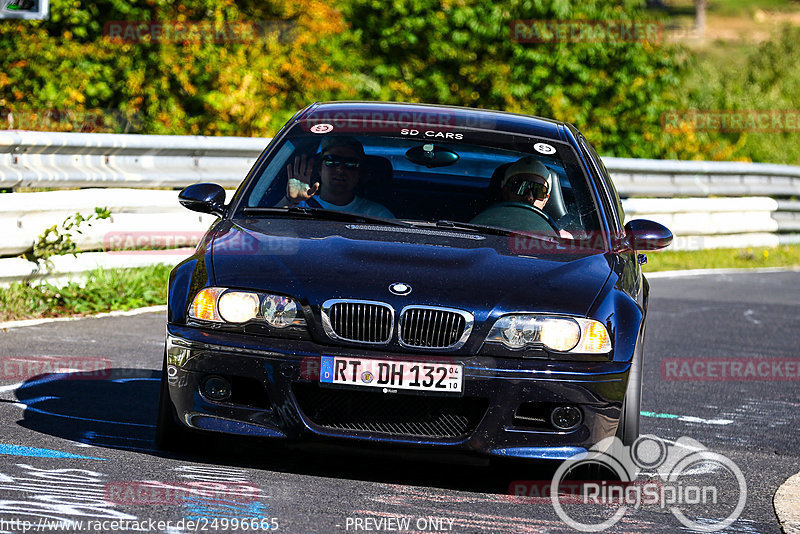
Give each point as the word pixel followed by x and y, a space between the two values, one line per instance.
pixel 392 374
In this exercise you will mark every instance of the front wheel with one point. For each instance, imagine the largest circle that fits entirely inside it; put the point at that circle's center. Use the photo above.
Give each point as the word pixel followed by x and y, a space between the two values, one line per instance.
pixel 628 429
pixel 170 434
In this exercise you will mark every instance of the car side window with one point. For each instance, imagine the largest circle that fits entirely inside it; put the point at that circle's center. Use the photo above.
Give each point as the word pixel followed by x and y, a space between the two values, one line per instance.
pixel 619 220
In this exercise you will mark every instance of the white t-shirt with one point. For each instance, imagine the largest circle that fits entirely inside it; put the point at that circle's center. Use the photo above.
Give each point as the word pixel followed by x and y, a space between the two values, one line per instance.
pixel 357 205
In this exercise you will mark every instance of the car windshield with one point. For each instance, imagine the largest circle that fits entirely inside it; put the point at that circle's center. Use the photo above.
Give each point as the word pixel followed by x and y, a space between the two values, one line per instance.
pixel 470 179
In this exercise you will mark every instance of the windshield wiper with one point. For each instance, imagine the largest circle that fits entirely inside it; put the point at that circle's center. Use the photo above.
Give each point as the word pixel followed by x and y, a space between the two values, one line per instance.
pixel 480 228
pixel 445 223
pixel 323 214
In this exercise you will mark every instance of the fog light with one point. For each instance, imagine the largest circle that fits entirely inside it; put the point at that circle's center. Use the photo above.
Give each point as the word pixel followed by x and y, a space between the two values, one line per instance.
pixel 566 417
pixel 216 388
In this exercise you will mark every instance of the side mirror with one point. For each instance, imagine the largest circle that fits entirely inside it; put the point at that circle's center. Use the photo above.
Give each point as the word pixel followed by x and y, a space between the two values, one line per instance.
pixel 647 235
pixel 205 198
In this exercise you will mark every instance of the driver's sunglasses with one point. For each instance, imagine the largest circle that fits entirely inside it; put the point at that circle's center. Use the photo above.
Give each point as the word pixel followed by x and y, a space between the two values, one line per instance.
pixel 538 189
pixel 335 161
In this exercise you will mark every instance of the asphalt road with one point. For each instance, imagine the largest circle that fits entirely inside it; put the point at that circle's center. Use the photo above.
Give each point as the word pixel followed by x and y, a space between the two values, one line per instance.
pixel 77 447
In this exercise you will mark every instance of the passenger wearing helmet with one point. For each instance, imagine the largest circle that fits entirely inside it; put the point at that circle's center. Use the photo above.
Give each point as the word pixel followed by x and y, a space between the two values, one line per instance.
pixel 529 182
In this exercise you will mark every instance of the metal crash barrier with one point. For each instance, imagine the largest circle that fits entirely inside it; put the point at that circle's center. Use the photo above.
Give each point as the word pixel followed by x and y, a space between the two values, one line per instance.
pixel 705 204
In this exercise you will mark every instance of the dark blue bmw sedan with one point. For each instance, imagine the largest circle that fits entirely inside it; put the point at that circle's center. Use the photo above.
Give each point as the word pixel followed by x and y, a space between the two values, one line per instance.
pixel 422 276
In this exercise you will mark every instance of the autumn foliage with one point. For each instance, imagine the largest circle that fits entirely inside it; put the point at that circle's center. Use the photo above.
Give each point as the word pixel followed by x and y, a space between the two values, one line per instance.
pixel 83 69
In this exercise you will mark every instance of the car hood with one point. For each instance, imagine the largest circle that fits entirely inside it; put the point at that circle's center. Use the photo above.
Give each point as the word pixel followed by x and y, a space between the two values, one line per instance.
pixel 314 261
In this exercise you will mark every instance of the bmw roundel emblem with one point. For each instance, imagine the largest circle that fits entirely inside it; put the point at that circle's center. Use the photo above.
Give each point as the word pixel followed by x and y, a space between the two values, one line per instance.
pixel 399 288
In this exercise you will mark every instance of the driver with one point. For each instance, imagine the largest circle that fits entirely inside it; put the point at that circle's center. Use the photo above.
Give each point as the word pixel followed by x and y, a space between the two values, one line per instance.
pixel 341 168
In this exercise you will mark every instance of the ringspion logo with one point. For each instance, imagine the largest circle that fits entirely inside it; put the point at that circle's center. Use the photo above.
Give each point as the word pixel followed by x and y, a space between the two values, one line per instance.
pixel 711 504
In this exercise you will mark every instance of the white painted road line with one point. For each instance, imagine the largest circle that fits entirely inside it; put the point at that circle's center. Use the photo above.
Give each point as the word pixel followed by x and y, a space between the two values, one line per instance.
pixel 687 418
pixel 704 272
pixel 118 313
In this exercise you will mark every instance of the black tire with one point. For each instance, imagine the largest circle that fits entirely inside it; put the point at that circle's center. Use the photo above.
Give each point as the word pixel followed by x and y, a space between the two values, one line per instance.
pixel 170 434
pixel 628 429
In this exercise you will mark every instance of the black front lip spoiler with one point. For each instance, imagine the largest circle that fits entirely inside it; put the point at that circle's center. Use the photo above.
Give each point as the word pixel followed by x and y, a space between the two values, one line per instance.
pixel 193 353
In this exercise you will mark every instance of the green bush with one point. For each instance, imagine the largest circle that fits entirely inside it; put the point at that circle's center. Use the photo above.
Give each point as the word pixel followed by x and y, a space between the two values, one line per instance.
pixel 66 64
pixel 746 78
pixel 57 240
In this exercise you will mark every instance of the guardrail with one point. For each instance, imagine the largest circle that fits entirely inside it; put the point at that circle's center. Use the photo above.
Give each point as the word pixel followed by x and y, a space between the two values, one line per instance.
pixel 60 160
pixel 674 178
pixel 45 159
pixel 139 218
pixel 701 223
pixel 739 214
pixel 153 220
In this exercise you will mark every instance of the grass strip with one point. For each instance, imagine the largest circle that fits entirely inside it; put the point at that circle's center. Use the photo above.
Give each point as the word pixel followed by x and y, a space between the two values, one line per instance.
pixel 102 290
pixel 723 258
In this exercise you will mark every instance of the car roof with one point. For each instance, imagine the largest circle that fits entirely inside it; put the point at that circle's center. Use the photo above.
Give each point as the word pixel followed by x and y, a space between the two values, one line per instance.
pixel 374 113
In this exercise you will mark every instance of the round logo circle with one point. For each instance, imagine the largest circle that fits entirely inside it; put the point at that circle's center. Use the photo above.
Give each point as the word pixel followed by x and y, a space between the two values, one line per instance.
pixel 597 460
pixel 367 377
pixel 717 461
pixel 648 452
pixel 544 148
pixel 399 288
pixel 322 128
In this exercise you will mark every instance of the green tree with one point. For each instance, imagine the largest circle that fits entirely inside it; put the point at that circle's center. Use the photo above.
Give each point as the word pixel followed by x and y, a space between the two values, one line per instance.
pixel 195 86
pixel 66 74
pixel 461 52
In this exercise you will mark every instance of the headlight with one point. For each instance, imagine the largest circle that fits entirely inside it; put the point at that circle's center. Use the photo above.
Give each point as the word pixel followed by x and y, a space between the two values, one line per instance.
pixel 562 334
pixel 278 311
pixel 238 306
pixel 221 305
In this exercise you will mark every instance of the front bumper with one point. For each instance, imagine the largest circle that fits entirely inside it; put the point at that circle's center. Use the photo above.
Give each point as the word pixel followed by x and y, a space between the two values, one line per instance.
pixel 504 409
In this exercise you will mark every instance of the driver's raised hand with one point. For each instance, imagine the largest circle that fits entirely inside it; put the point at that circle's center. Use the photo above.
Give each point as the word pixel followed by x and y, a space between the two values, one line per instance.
pixel 298 186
